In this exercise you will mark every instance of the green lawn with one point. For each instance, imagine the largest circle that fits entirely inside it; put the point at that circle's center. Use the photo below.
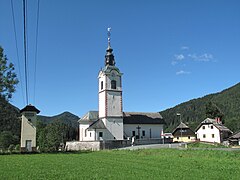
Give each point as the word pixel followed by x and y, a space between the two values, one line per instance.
pixel 139 164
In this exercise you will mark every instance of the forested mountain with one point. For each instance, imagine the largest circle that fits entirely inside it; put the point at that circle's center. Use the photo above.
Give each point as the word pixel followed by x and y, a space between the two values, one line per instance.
pixel 65 117
pixel 9 117
pixel 194 111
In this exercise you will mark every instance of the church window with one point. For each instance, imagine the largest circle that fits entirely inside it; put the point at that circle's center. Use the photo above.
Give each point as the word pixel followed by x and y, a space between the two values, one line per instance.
pixel 101 85
pixel 113 84
pixel 211 127
pixel 85 132
pixel 189 137
pixel 100 134
pixel 212 135
pixel 90 134
pixel 203 127
pixel 133 133
pixel 204 135
pixel 143 133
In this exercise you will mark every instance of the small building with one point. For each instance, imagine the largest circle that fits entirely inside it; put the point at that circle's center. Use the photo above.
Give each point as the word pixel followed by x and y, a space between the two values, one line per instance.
pixel 234 139
pixel 28 128
pixel 183 133
pixel 212 130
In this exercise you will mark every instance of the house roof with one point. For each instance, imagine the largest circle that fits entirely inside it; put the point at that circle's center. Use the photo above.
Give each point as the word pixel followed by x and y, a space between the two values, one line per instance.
pixel 97 125
pixel 142 118
pixel 185 130
pixel 30 108
pixel 235 136
pixel 214 122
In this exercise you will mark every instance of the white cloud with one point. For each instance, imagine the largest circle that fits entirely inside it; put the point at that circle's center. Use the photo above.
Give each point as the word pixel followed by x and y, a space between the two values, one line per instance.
pixel 203 57
pixel 184 48
pixel 179 57
pixel 174 63
pixel 182 72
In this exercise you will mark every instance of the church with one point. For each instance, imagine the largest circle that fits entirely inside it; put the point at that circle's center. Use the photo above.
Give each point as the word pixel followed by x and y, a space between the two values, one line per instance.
pixel 110 123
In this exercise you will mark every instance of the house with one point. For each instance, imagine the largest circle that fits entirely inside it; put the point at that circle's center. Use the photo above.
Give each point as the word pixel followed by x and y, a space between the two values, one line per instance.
pixel 234 139
pixel 139 125
pixel 183 133
pixel 212 130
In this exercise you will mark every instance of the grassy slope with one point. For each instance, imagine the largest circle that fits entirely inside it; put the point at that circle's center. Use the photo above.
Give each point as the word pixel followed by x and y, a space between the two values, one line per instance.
pixel 141 164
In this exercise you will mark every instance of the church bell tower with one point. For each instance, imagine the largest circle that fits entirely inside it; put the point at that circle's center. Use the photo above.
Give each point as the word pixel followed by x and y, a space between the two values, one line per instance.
pixel 110 96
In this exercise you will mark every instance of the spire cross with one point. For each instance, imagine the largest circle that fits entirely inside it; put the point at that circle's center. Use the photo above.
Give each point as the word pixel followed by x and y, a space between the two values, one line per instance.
pixel 109 36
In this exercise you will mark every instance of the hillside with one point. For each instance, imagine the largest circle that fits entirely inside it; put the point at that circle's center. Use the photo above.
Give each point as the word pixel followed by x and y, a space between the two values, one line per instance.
pixel 193 111
pixel 65 117
pixel 9 118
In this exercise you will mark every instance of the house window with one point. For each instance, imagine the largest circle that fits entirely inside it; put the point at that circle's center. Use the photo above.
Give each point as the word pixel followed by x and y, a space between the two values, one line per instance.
pixel 113 84
pixel 101 85
pixel 188 137
pixel 203 127
pixel 133 133
pixel 212 135
pixel 143 133
pixel 211 127
pixel 177 137
pixel 204 135
pixel 100 134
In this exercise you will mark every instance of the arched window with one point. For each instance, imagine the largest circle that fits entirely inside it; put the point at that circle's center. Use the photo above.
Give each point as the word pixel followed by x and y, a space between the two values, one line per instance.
pixel 113 84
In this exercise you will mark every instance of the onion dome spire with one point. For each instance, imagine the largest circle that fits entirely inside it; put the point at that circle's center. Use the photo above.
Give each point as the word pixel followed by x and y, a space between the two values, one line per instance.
pixel 109 57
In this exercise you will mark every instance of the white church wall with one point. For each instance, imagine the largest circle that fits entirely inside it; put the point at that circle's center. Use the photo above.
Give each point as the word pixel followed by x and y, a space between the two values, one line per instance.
pixel 209 133
pixel 102 106
pixel 85 134
pixel 114 104
pixel 150 130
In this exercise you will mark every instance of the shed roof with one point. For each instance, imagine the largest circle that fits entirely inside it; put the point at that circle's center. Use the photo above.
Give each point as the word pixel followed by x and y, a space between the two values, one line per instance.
pixel 30 108
pixel 235 136
pixel 186 130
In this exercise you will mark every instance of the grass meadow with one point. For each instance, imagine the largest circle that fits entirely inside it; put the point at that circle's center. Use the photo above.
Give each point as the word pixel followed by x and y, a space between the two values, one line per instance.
pixel 123 164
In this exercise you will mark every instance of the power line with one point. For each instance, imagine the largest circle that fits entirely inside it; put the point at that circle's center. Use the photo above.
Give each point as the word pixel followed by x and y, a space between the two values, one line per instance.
pixel 25 47
pixel 18 61
pixel 36 50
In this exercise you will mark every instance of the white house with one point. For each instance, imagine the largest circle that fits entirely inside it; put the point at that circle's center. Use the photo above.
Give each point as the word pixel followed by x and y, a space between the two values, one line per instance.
pixel 110 122
pixel 212 130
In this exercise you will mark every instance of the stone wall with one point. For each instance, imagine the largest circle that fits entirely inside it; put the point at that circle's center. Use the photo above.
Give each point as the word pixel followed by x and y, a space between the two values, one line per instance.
pixel 95 145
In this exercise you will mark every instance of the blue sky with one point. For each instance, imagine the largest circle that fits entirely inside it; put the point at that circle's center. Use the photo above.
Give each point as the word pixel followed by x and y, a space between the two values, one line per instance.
pixel 169 51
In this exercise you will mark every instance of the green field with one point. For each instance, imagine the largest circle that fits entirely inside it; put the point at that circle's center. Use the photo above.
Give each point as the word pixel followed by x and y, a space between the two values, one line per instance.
pixel 138 164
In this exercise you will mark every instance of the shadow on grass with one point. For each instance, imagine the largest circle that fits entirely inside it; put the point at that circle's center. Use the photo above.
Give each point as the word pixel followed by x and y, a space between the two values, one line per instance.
pixel 53 152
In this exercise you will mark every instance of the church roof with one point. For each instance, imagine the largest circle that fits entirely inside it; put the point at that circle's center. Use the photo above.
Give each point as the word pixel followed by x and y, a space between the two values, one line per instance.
pixel 129 117
pixel 142 118
pixel 97 125
pixel 90 116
